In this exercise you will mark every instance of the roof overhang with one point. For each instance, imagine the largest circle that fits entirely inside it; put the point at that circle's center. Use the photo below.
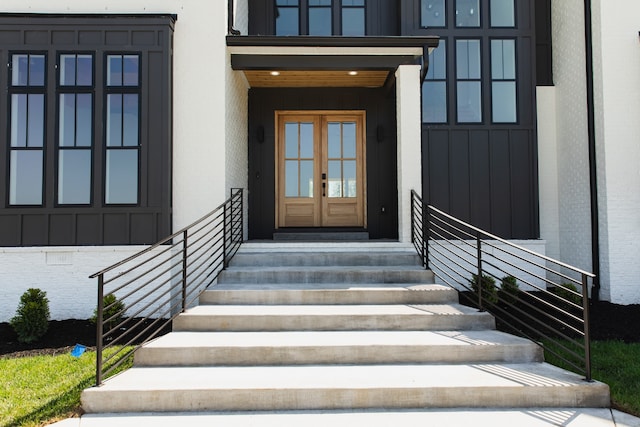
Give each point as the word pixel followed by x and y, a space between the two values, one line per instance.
pixel 309 61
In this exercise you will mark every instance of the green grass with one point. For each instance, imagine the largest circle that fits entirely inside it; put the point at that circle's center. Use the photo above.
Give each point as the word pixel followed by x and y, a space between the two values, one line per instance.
pixel 617 364
pixel 42 389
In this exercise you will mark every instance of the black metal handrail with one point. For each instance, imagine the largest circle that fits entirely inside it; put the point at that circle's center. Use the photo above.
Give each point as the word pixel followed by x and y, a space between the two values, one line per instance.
pixel 156 284
pixel 552 308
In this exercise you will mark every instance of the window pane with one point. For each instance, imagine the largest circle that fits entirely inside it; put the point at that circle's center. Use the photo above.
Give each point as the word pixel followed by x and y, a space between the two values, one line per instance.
pixel 114 120
pixel 432 13
pixel 349 168
pixel 20 70
pixel 291 140
pixel 467 13
pixel 114 70
pixel 287 22
pixel 35 131
pixel 320 21
pixel 503 102
pixel 84 70
pixel 67 70
pixel 434 102
pixel 469 106
pixel 503 59
pixel 130 72
pixel 334 149
pixel 67 123
pixel 349 140
pixel 334 178
pixel 130 120
pixel 25 186
pixel 74 177
pixel 306 140
pixel 353 21
pixel 122 176
pixel 84 119
pixel 438 62
pixel 502 13
pixel 36 70
pixel 306 178
pixel 468 59
pixel 353 2
pixel 291 178
pixel 18 120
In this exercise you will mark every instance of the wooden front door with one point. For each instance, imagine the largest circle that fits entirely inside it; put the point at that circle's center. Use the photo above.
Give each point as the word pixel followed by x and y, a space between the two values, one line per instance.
pixel 320 158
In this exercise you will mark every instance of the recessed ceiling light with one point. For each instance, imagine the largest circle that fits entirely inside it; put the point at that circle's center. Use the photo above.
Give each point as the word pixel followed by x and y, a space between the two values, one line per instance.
pixel 353 73
pixel 275 73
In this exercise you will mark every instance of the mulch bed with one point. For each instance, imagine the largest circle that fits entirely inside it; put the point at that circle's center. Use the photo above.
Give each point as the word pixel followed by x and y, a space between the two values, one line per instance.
pixel 608 322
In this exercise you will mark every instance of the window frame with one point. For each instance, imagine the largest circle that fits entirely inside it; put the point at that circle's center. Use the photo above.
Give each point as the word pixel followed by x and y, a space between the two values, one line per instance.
pixel 515 79
pixel 480 80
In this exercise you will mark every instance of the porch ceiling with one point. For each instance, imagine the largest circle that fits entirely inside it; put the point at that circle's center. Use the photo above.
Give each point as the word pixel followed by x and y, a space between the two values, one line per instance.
pixel 306 78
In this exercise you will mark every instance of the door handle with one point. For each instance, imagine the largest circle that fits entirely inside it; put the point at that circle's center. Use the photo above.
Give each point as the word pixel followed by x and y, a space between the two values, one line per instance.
pixel 324 186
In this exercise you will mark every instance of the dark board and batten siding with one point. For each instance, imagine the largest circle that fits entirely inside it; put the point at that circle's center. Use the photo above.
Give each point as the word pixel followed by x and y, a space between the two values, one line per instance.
pixel 95 224
pixel 380 151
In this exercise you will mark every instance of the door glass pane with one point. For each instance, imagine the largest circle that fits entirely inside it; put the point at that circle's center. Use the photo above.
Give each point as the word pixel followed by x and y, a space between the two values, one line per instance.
pixel 334 178
pixel 84 122
pixel 287 21
pixel 20 70
pixel 432 13
pixel 67 70
pixel 121 183
pixel 84 74
pixel 306 140
pixel 67 120
pixel 130 120
pixel 35 131
pixel 36 70
pixel 25 186
pixel 74 177
pixel 18 120
pixel 291 140
pixel 503 102
pixel 353 21
pixel 306 178
pixel 502 13
pixel 469 105
pixel 291 178
pixel 434 102
pixel 468 59
pixel 114 70
pixel 333 140
pixel 349 169
pixel 114 120
pixel 130 70
pixel 320 18
pixel 349 140
pixel 467 13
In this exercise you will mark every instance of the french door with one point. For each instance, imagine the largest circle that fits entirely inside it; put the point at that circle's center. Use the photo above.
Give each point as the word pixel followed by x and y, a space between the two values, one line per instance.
pixel 320 162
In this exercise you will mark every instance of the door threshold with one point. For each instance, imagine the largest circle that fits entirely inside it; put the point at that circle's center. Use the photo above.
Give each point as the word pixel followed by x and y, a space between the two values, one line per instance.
pixel 320 234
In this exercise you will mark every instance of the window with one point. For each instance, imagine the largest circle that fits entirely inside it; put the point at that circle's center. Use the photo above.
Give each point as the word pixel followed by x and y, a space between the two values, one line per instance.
pixel 353 18
pixel 434 88
pixel 503 81
pixel 433 14
pixel 27 127
pixel 468 86
pixel 468 13
pixel 320 18
pixel 122 129
pixel 287 18
pixel 75 129
pixel 502 13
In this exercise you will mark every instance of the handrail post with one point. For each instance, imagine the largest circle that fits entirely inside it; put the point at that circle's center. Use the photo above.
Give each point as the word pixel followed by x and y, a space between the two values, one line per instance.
pixel 99 331
pixel 425 234
pixel 184 270
pixel 479 279
pixel 587 326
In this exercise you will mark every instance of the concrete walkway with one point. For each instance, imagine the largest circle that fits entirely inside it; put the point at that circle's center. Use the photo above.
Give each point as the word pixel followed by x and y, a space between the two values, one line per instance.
pixel 432 417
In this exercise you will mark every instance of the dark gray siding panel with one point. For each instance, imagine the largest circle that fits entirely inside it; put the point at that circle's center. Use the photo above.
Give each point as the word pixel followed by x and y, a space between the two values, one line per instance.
pixel 479 166
pixel 381 155
pixel 61 229
pixel 500 183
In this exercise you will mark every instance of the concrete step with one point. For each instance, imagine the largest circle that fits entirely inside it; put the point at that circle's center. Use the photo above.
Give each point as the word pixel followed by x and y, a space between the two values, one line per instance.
pixel 343 347
pixel 284 259
pixel 332 317
pixel 325 294
pixel 329 274
pixel 530 417
pixel 343 387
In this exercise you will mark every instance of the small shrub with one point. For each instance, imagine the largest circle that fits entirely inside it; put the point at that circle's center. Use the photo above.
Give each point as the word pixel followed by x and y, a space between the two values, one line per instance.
pixel 32 316
pixel 112 307
pixel 509 289
pixel 564 292
pixel 489 290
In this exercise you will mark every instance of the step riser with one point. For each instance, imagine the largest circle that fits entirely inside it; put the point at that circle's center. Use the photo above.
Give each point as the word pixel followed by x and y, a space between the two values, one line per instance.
pixel 356 398
pixel 326 297
pixel 188 322
pixel 348 355
pixel 319 276
pixel 323 259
